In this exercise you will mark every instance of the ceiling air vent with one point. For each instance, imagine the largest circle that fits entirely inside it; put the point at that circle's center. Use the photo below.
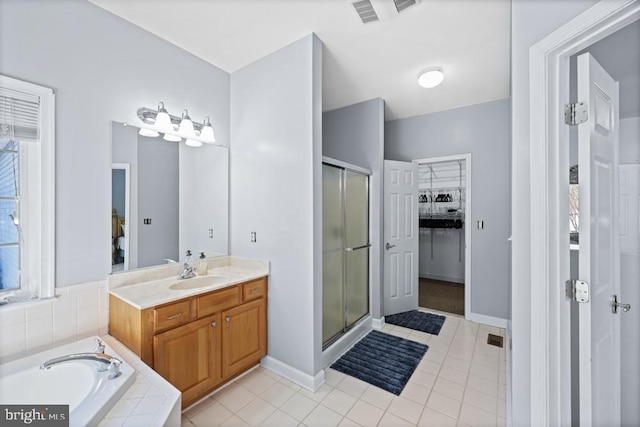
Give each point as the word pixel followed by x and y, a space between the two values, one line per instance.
pixel 403 4
pixel 365 10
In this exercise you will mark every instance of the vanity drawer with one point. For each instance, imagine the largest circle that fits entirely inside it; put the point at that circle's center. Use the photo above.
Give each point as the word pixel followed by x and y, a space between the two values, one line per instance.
pixel 172 315
pixel 218 301
pixel 254 290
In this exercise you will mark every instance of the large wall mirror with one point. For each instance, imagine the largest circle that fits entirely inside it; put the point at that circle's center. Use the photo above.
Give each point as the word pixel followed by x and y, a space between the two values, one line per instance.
pixel 167 198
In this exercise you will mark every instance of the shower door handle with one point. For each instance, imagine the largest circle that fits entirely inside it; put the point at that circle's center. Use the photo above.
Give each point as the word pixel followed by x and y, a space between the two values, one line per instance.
pixel 388 246
pixel 356 248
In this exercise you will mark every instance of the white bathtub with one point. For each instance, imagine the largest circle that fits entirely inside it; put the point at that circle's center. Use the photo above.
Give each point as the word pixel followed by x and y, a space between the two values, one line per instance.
pixel 78 384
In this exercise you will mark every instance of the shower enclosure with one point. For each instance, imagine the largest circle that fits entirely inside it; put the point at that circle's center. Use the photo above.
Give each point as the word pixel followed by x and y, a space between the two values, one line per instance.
pixel 345 236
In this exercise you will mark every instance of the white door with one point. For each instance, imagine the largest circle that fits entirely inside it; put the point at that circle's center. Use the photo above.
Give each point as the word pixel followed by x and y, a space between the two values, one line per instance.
pixel 599 258
pixel 400 243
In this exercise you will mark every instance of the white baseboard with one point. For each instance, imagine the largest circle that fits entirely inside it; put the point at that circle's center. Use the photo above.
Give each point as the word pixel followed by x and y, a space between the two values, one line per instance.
pixel 459 280
pixel 377 323
pixel 487 320
pixel 304 380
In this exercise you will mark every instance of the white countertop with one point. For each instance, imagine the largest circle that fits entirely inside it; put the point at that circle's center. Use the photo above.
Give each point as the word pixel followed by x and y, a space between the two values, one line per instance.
pixel 222 272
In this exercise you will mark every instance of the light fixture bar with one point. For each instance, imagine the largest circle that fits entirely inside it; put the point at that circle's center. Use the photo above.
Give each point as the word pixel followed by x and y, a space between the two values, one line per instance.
pixel 148 116
pixel 175 128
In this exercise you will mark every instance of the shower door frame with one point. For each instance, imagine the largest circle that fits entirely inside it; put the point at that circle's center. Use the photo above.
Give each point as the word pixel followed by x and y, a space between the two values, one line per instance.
pixel 346 329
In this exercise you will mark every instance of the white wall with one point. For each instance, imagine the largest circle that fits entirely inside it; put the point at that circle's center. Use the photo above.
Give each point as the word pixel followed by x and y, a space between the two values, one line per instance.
pixel 275 123
pixel 483 131
pixel 102 68
pixel 531 21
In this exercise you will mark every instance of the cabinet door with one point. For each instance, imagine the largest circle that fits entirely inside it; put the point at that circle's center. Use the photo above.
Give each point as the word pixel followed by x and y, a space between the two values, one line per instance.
pixel 244 336
pixel 189 357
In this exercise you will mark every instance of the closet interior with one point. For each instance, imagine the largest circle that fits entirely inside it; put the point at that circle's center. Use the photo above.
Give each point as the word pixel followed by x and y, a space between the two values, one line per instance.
pixel 442 201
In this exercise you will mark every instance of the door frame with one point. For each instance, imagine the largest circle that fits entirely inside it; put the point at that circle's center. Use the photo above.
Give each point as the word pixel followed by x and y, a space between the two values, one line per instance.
pixel 126 167
pixel 467 229
pixel 550 370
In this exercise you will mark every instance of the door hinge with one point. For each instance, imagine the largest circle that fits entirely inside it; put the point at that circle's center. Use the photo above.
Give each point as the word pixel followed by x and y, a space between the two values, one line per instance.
pixel 577 290
pixel 576 113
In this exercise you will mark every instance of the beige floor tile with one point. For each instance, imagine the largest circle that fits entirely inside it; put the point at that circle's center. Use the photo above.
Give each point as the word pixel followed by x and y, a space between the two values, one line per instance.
pixel 277 394
pixel 502 391
pixel 365 414
pixel 423 379
pixel 453 375
pixel 477 417
pixel 234 422
pixel 502 408
pixel 322 416
pixel 298 406
pixel 406 409
pixel 490 361
pixel 429 367
pixel 481 384
pixel 333 377
pixel 339 401
pixel 481 400
pixel 435 356
pixel 257 382
pixel 352 386
pixel 256 412
pixel 457 363
pixel 234 397
pixel 485 372
pixel 502 422
pixel 449 388
pixel 444 404
pixel 439 344
pixel 213 414
pixel 402 333
pixel 416 393
pixel 319 394
pixel 205 403
pixel 460 353
pixel 346 422
pixel 377 397
pixel 280 419
pixel 293 386
pixel 433 418
pixel 463 344
pixel 390 420
pixel 269 373
pixel 184 422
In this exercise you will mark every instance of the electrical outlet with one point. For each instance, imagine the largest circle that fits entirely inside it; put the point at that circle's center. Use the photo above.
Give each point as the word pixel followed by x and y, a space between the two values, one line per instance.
pixel 253 237
pixel 211 233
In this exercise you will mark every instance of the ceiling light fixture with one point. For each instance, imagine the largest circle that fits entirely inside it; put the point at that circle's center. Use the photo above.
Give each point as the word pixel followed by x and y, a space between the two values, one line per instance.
pixel 155 122
pixel 431 77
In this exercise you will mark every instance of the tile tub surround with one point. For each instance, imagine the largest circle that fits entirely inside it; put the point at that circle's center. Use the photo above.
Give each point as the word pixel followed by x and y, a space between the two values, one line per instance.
pixel 77 312
pixel 151 287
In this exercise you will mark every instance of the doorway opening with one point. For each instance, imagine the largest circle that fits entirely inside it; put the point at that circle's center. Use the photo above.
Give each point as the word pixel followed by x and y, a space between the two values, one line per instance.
pixel 443 207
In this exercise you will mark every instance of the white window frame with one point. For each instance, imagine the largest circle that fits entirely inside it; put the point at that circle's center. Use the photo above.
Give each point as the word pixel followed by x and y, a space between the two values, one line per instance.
pixel 37 206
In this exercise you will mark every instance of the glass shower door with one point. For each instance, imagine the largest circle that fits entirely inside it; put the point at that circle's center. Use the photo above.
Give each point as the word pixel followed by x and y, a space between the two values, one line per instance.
pixel 345 292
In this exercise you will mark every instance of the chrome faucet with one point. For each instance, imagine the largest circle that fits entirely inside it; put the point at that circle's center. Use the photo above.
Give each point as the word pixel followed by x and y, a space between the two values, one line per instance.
pixel 109 363
pixel 187 272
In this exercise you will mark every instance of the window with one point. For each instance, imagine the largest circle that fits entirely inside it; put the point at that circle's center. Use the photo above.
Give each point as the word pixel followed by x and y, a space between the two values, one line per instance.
pixel 27 184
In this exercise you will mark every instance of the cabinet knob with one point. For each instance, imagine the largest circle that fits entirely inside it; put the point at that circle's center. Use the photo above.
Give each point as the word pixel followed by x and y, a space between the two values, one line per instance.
pixel 175 316
pixel 214 324
pixel 228 319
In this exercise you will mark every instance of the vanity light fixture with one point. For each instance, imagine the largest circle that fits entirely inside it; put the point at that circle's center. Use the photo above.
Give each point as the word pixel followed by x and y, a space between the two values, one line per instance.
pixel 431 77
pixel 155 122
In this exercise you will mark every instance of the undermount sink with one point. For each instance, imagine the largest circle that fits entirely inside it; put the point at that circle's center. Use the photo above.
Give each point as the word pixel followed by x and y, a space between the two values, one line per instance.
pixel 200 282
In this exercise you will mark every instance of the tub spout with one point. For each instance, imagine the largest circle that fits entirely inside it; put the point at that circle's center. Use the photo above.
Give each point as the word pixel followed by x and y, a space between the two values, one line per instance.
pixel 108 363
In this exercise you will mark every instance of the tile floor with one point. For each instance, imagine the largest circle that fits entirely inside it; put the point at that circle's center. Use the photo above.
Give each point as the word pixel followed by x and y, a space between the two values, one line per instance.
pixel 459 382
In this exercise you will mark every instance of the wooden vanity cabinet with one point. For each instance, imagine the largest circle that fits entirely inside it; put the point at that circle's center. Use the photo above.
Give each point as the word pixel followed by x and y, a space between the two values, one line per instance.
pixel 197 343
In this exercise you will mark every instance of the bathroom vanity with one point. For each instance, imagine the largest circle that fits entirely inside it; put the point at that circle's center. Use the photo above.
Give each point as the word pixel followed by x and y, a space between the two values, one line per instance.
pixel 197 333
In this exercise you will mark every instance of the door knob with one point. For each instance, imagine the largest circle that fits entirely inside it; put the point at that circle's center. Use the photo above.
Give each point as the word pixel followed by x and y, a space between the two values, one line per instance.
pixel 214 324
pixel 388 246
pixel 615 304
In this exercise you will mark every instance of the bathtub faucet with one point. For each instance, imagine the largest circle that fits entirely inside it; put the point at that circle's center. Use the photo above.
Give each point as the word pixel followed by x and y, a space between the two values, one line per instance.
pixel 108 363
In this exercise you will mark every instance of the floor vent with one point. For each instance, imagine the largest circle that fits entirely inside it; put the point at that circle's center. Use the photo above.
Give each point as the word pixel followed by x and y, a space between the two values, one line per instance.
pixel 496 340
pixel 365 11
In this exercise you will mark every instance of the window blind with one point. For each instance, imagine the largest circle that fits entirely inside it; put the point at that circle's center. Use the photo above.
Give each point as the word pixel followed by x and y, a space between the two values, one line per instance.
pixel 19 115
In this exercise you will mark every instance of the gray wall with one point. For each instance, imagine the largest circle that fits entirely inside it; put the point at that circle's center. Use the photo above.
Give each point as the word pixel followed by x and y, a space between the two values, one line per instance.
pixel 275 162
pixel 483 131
pixel 101 68
pixel 531 21
pixel 157 200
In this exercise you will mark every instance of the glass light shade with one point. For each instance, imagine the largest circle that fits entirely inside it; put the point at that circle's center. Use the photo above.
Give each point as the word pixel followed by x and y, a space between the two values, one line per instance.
pixel 186 125
pixel 172 138
pixel 193 143
pixel 206 134
pixel 431 78
pixel 148 132
pixel 163 122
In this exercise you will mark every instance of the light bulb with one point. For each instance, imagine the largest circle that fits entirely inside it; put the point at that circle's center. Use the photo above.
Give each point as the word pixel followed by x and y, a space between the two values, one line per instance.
pixel 207 131
pixel 163 121
pixel 172 138
pixel 148 132
pixel 186 125
pixel 193 143
pixel 431 77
